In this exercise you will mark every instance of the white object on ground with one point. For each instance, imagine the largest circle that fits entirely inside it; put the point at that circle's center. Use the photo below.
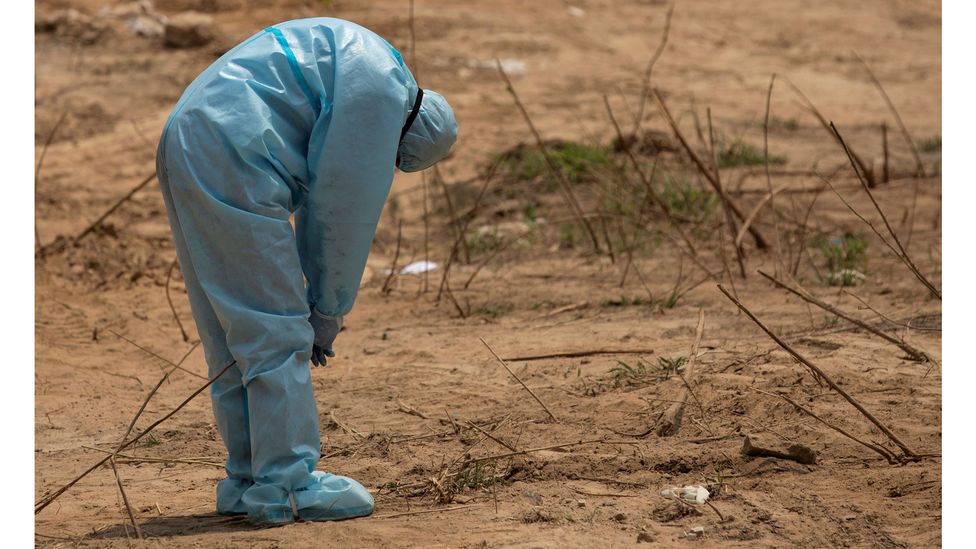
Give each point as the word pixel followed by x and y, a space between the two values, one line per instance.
pixel 418 267
pixel 695 495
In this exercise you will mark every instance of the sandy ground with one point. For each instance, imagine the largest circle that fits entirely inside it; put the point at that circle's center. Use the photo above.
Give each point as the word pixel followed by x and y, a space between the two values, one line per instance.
pixel 411 375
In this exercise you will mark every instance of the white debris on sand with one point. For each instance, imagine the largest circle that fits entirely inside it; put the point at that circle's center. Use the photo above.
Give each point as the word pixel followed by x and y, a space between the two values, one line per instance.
pixel 694 495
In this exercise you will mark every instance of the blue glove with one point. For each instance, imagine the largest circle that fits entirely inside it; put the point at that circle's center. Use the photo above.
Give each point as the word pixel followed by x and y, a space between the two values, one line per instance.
pixel 326 329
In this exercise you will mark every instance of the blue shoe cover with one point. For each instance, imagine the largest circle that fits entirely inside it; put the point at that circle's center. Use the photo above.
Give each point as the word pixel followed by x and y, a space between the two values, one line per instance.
pixel 333 497
pixel 229 493
pixel 328 497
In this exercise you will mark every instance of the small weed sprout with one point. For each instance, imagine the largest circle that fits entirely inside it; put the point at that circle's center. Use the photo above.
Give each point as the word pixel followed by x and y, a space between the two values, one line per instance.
pixel 495 310
pixel 485 240
pixel 931 144
pixel 625 371
pixel 670 366
pixel 739 153
pixel 687 202
pixel 845 257
pixel 568 239
pixel 578 161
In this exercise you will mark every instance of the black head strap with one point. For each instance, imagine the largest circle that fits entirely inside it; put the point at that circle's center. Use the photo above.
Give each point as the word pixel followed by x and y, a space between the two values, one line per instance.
pixel 413 113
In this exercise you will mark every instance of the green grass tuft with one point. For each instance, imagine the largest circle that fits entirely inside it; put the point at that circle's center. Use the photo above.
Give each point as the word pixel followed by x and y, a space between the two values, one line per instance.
pixel 740 153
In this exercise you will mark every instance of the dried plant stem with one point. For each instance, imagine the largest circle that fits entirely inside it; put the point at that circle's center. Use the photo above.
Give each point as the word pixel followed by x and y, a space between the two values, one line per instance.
pixel 648 182
pixel 37 175
pixel 487 260
pixel 885 172
pixel 826 126
pixel 492 437
pixel 769 180
pixel 425 511
pixel 356 434
pixel 553 447
pixel 179 323
pixel 672 416
pixel 823 375
pixel 468 219
pixel 125 498
pixel 889 457
pixel 900 252
pixel 426 277
pixel 44 502
pixel 803 230
pixel 646 82
pixel 151 459
pixel 517 378
pixel 919 167
pixel 455 221
pixel 709 176
pixel 571 199
pixel 729 220
pixel 913 353
pixel 396 257
pixel 744 229
pixel 114 207
pixel 413 45
pixel 176 365
pixel 575 354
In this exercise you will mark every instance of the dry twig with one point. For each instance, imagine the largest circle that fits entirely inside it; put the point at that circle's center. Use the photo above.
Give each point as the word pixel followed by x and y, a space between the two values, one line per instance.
pixel 816 370
pixel 44 502
pixel 522 383
pixel 575 354
pixel 114 207
pixel 169 275
pixel 900 252
pixel 672 417
pixel 919 167
pixel 879 449
pixel 802 293
pixel 709 176
pixel 568 193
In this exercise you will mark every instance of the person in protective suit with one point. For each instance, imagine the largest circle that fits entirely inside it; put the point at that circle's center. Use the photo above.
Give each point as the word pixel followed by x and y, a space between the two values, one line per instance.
pixel 306 118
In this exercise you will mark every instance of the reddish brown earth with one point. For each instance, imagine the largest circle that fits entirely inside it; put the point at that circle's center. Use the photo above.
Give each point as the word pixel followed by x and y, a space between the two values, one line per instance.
pixel 403 351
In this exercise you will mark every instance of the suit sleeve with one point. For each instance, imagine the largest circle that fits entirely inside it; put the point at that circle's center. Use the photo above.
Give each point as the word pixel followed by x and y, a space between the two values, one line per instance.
pixel 352 152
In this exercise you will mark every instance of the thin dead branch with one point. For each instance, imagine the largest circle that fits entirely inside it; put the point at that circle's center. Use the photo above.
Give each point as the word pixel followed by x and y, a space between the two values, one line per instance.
pixel 900 252
pixel 557 173
pixel 396 257
pixel 44 502
pixel 172 308
pixel 909 454
pixel 37 175
pixel 575 354
pixel 672 416
pixel 769 180
pixel 729 220
pixel 648 182
pixel 176 365
pixel 709 176
pixel 356 434
pixel 646 83
pixel 125 498
pixel 889 457
pixel 522 383
pixel 826 126
pixel 913 353
pixel 468 219
pixel 114 207
pixel 919 167
pixel 407 409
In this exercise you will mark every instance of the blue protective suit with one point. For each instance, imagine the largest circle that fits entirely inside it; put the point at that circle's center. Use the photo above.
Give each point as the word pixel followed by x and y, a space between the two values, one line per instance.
pixel 302 118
